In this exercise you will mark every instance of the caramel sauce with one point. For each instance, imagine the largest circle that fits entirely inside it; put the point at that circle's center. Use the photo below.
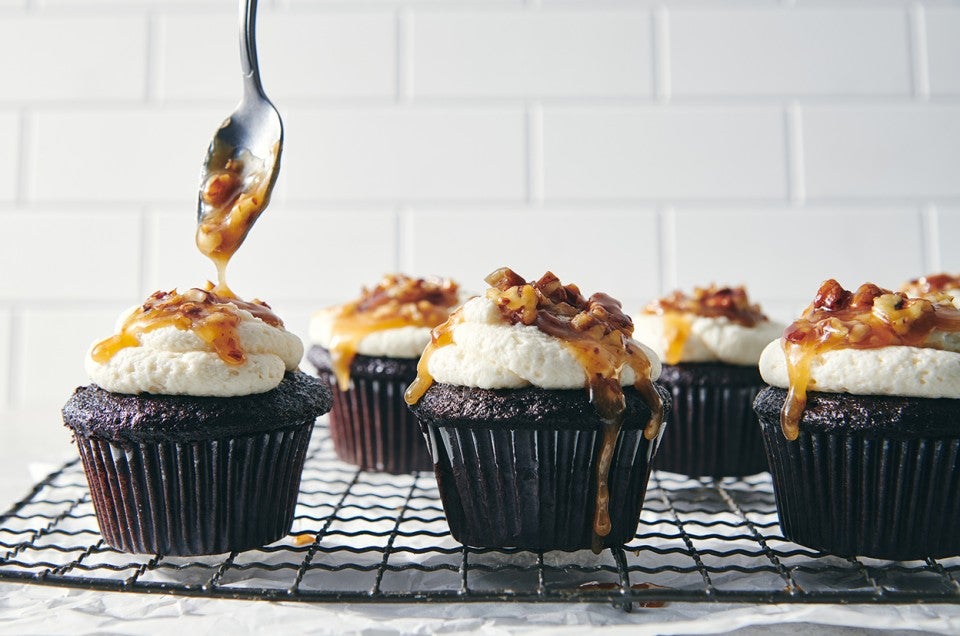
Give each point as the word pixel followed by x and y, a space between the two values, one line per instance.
pixel 931 285
pixel 596 586
pixel 212 317
pixel 676 330
pixel 396 301
pixel 869 318
pixel 231 201
pixel 440 336
pixel 595 331
pixel 678 308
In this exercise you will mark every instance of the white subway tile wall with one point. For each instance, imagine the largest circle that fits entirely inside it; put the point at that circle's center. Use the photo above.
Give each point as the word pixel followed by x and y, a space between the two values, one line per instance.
pixel 630 145
pixel 943 50
pixel 9 141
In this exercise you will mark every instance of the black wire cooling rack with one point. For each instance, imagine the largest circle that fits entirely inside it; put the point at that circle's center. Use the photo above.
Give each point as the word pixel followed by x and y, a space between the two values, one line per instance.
pixel 369 537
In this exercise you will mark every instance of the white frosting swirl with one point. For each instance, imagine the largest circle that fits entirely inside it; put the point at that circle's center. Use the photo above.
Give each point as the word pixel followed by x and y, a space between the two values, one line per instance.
pixel 710 339
pixel 399 342
pixel 171 361
pixel 487 353
pixel 896 370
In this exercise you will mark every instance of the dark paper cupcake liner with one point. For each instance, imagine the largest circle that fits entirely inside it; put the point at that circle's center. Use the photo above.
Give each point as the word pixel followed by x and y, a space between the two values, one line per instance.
pixel 199 497
pixel 714 431
pixel 372 427
pixel 856 493
pixel 536 489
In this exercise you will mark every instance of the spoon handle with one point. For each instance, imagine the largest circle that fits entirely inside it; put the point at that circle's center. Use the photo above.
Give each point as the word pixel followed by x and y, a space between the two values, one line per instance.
pixel 248 47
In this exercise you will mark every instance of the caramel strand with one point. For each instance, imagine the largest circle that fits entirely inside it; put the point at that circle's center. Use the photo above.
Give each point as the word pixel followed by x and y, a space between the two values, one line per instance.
pixel 232 199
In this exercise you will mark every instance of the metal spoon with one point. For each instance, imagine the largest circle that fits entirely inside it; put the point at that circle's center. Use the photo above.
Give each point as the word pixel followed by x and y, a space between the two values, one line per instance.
pixel 243 159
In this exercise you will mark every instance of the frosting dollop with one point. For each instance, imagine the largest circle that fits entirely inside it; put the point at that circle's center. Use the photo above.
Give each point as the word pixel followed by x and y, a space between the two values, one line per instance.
pixel 195 343
pixel 488 353
pixel 396 342
pixel 392 319
pixel 713 324
pixel 872 341
pixel 708 339
pixel 897 370
pixel 545 334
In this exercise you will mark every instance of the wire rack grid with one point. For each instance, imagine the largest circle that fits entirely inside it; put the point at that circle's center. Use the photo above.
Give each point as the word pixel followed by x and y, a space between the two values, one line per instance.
pixel 370 537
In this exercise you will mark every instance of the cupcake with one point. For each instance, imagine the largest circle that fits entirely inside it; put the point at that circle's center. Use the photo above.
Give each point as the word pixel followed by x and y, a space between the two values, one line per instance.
pixel 367 351
pixel 194 432
pixel 710 343
pixel 862 424
pixel 542 416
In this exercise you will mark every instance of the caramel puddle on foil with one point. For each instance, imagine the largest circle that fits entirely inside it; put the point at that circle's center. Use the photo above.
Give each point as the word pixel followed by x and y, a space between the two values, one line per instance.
pixel 597 586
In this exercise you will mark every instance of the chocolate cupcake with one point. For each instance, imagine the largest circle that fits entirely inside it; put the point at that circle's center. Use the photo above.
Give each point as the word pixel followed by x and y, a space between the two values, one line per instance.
pixel 542 416
pixel 862 424
pixel 367 351
pixel 194 433
pixel 710 343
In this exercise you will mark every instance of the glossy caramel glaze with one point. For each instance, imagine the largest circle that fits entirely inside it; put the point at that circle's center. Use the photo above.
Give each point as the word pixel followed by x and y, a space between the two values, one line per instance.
pixel 931 286
pixel 396 301
pixel 214 318
pixel 595 331
pixel 678 310
pixel 231 201
pixel 869 318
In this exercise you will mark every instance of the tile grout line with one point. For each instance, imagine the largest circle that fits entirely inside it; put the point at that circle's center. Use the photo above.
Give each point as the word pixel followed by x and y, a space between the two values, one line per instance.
pixel 919 60
pixel 796 170
pixel 154 59
pixel 667 226
pixel 405 25
pixel 400 263
pixel 24 156
pixel 660 36
pixel 930 237
pixel 13 358
pixel 535 167
pixel 147 256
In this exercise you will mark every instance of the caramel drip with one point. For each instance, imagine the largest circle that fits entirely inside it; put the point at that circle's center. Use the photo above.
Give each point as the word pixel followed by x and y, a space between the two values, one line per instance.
pixel 349 330
pixel 213 318
pixel 676 331
pixel 597 334
pixel 396 301
pixel 798 373
pixel 869 318
pixel 441 336
pixel 232 199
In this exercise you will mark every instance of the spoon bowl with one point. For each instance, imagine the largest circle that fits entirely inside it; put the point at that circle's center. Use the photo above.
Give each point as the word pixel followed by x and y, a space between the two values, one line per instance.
pixel 243 160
